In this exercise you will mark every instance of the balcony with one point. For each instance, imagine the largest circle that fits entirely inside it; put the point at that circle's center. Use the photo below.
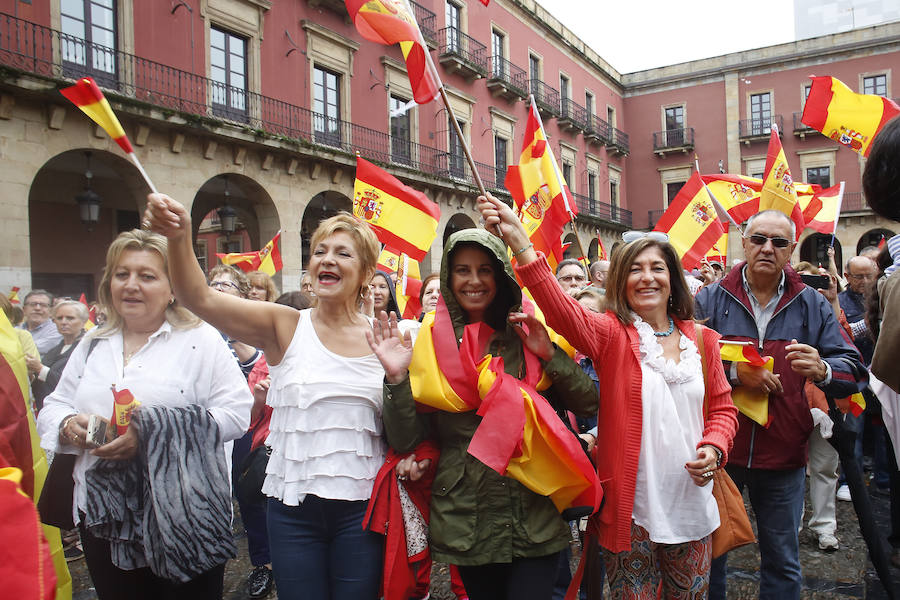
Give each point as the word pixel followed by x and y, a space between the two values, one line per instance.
pixel 755 130
pixel 653 217
pixel 618 142
pixel 462 54
pixel 673 140
pixel 853 202
pixel 801 129
pixel 545 97
pixel 598 131
pixel 337 6
pixel 426 20
pixel 506 80
pixel 589 207
pixel 572 116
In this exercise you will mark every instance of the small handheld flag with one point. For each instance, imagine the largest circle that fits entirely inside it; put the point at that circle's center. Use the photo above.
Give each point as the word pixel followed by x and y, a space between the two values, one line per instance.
pixel 268 260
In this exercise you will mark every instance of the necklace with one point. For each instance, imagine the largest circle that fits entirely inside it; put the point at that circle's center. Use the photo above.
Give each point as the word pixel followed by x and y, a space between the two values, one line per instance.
pixel 666 333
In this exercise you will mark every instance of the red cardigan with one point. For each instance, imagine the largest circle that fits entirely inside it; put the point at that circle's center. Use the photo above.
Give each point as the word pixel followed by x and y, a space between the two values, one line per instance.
pixel 607 341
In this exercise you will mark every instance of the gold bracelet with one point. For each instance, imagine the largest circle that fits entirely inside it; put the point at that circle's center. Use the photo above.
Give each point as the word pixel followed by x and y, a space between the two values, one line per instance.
pixel 64 424
pixel 523 249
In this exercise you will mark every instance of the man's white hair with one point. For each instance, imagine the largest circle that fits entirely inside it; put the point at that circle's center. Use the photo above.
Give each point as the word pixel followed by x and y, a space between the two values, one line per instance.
pixel 772 211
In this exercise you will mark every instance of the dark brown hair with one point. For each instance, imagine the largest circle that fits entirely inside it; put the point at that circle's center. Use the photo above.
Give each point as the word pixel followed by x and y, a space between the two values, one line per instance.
pixel 681 305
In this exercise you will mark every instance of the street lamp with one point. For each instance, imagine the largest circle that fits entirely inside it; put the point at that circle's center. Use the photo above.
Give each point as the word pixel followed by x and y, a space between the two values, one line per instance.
pixel 88 200
pixel 227 215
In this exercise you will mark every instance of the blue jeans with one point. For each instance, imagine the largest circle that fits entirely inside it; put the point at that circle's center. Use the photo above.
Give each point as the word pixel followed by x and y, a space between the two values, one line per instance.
pixel 321 552
pixel 252 515
pixel 777 500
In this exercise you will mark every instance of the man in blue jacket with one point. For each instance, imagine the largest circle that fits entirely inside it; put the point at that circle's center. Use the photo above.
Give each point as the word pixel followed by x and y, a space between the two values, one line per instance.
pixel 764 301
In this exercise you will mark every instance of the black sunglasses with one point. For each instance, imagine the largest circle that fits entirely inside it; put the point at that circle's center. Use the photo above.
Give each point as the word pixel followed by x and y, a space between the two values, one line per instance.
pixel 760 240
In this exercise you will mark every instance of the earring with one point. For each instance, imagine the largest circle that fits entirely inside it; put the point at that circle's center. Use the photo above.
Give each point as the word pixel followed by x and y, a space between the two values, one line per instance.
pixel 670 300
pixel 171 301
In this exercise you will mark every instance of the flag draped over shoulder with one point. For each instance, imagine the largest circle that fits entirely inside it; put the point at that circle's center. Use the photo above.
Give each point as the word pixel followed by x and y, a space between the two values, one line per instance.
pixel 402 218
pixel 846 117
pixel 691 222
pixel 778 191
pixel 543 199
pixel 392 22
pixel 268 260
pixel 86 95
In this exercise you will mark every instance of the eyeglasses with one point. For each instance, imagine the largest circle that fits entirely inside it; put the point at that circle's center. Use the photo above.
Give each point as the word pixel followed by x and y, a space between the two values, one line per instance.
pixel 633 236
pixel 759 239
pixel 224 285
pixel 568 278
pixel 37 304
pixel 859 277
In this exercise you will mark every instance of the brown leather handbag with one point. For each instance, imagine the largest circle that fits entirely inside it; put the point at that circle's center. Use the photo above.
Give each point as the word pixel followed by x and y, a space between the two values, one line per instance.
pixel 734 525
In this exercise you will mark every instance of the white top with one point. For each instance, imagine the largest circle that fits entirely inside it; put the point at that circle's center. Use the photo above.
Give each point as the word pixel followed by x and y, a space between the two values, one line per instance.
pixel 176 367
pixel 667 503
pixel 326 426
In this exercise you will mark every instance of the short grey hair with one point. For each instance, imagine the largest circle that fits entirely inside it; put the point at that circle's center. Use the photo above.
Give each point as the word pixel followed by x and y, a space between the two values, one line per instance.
pixel 80 309
pixel 570 261
pixel 39 293
pixel 772 211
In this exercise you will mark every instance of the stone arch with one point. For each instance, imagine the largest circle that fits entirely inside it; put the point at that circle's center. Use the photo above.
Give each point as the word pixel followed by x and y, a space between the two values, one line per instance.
pixel 457 222
pixel 814 247
pixel 257 217
pixel 322 206
pixel 54 222
pixel 872 237
pixel 593 251
pixel 572 250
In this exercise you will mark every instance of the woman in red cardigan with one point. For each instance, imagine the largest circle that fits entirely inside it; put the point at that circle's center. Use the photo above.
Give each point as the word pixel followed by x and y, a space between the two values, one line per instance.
pixel 657 449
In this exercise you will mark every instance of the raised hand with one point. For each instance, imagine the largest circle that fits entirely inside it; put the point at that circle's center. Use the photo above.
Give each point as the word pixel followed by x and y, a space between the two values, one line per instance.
pixel 497 214
pixel 392 349
pixel 166 216
pixel 535 337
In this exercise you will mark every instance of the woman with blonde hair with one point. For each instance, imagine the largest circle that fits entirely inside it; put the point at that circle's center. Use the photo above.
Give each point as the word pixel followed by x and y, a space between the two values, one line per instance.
pixel 262 287
pixel 192 399
pixel 326 397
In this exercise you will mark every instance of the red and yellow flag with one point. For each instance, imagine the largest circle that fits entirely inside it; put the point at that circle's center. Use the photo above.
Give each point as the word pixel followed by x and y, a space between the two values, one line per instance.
pixel 87 96
pixel 848 118
pixel 91 322
pixel 267 260
pixel 754 404
pixel 391 22
pixel 824 208
pixel 778 192
pixel 601 249
pixel 14 295
pixel 857 404
pixel 691 222
pixel 543 199
pixel 719 252
pixel 409 284
pixel 402 218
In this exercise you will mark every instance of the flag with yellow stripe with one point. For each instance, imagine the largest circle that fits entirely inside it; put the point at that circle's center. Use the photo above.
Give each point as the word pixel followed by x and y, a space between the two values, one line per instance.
pixel 86 95
pixel 691 222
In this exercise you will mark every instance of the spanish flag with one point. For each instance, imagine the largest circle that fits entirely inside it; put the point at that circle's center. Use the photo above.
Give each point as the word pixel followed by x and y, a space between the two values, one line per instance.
pixel 87 96
pixel 268 260
pixel 719 251
pixel 391 22
pixel 601 249
pixel 753 403
pixel 848 118
pixel 543 200
pixel 778 191
pixel 14 295
pixel 691 222
pixel 824 209
pixel 402 218
pixel 857 404
pixel 20 448
pixel 90 323
pixel 737 194
pixel 409 284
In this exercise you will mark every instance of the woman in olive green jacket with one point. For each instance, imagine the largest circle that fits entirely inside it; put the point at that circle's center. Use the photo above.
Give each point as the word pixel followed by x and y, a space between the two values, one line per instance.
pixel 504 537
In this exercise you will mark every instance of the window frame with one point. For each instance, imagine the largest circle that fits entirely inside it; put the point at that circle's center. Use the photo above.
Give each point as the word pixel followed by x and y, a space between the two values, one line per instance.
pixel 229 109
pixel 89 49
pixel 331 132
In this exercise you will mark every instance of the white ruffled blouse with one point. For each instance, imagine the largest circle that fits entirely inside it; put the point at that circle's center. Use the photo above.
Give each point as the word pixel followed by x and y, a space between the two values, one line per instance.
pixel 326 426
pixel 667 503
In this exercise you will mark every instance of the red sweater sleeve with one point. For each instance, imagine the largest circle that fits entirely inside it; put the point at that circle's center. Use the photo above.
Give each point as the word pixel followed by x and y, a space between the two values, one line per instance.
pixel 587 331
pixel 721 417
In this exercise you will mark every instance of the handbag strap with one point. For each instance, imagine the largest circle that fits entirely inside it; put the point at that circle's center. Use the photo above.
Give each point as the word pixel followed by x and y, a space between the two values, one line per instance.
pixel 698 331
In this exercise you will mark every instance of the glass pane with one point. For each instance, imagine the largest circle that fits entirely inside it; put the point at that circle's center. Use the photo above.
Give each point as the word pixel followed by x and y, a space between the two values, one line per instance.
pixel 217 58
pixel 236 63
pixel 103 37
pixel 102 17
pixel 72 8
pixel 237 81
pixel 217 74
pixel 72 27
pixel 216 39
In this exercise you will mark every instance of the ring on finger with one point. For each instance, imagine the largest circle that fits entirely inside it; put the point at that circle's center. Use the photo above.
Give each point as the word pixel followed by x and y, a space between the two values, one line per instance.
pixel 707 474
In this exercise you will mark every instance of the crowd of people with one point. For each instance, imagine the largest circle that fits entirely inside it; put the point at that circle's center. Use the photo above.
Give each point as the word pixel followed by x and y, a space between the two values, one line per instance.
pixel 359 446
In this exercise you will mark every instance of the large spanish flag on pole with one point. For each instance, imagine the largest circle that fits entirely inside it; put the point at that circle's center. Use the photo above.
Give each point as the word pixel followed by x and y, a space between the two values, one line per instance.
pixel 402 218
pixel 691 222
pixel 828 203
pixel 778 191
pixel 543 200
pixel 20 446
pixel 391 22
pixel 848 118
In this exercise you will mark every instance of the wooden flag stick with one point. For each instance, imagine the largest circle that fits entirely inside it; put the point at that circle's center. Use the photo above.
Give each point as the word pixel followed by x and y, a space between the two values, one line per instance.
pixel 462 141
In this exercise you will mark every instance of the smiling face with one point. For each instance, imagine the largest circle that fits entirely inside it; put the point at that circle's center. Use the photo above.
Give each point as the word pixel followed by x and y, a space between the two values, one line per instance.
pixel 647 287
pixel 140 290
pixel 472 281
pixel 766 260
pixel 335 269
pixel 68 322
pixel 36 309
pixel 381 293
pixel 430 295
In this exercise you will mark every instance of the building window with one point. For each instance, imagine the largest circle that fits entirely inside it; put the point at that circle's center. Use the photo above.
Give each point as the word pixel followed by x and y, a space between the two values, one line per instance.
pixel 592 192
pixel 534 67
pixel 228 72
pixel 89 39
pixel 674 120
pixel 401 132
pixel 760 113
pixel 611 116
pixel 819 175
pixel 672 190
pixel 564 86
pixel 500 163
pixel 453 27
pixel 613 196
pixel 202 255
pixel 327 106
pixel 498 58
pixel 876 84
pixel 567 175
pixel 457 157
pixel 589 103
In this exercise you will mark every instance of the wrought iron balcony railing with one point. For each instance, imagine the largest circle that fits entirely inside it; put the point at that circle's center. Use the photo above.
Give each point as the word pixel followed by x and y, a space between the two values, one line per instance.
pixel 673 138
pixel 800 126
pixel 853 201
pixel 601 210
pixel 573 113
pixel 653 217
pixel 473 54
pixel 760 127
pixel 546 97
pixel 426 20
pixel 508 74
pixel 597 130
pixel 618 141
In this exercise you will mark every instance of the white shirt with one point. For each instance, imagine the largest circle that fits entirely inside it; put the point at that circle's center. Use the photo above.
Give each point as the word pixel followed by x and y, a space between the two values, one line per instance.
pixel 667 503
pixel 326 426
pixel 176 367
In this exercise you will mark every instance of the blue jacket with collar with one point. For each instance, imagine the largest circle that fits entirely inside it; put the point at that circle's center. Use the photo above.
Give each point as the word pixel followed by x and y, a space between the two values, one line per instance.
pixel 802 314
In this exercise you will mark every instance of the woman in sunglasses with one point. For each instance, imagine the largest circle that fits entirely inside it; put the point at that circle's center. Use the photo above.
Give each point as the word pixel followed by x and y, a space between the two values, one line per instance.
pixel 658 446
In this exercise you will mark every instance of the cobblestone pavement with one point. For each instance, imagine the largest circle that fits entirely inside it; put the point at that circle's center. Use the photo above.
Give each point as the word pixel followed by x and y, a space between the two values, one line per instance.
pixel 844 574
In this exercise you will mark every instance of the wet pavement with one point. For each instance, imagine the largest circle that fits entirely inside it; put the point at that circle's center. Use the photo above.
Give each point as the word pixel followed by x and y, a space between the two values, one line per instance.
pixel 844 574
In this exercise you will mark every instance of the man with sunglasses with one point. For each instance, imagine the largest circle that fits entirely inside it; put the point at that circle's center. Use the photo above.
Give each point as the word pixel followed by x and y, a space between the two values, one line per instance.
pixel 764 301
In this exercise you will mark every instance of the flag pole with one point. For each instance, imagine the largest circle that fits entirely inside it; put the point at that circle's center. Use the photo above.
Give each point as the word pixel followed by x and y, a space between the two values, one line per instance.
pixel 140 167
pixel 837 215
pixel 718 205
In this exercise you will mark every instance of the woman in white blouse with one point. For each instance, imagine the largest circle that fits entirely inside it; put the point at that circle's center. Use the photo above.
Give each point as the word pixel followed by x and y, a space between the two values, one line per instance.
pixel 166 357
pixel 325 392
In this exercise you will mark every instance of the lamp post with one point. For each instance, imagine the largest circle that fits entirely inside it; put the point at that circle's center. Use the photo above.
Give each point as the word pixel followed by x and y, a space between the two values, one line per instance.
pixel 88 200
